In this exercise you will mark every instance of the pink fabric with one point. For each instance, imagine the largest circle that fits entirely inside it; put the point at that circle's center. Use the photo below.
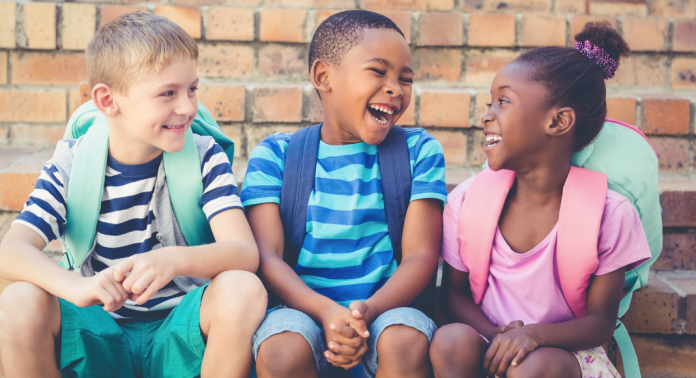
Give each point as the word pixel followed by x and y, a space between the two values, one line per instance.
pixel 525 286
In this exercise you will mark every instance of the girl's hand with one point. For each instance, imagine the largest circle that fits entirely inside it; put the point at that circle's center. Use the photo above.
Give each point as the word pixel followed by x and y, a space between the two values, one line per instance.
pixel 142 275
pixel 504 328
pixel 507 349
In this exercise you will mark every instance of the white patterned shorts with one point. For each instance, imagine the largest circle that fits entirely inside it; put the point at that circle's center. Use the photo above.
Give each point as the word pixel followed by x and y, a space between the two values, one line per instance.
pixel 595 363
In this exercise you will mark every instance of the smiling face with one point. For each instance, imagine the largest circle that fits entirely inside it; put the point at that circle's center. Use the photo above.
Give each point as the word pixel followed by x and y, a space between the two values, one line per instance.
pixel 158 110
pixel 518 121
pixel 369 90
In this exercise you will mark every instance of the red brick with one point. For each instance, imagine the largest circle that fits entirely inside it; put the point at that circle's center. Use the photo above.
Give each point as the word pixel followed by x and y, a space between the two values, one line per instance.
pixel 665 115
pixel 15 189
pixel 256 134
pixel 36 135
pixel 571 7
pixel 432 64
pixel 677 206
pixel 672 156
pixel 684 35
pixel 483 98
pixel 408 4
pixel 496 30
pixel 678 252
pixel 542 30
pixel 683 73
pixel 646 34
pixel 225 103
pixel 616 8
pixel 283 25
pixel 478 156
pixel 7 24
pixel 308 4
pixel 671 8
pixel 654 309
pixel 283 61
pixel 316 110
pixel 77 26
pixel 508 6
pixel 441 29
pixel 454 145
pixel 641 71
pixel 664 356
pixel 75 98
pixel 277 104
pixel 622 109
pixel 236 3
pixel 32 106
pixel 44 68
pixel 230 24
pixel 40 25
pixel 225 60
pixel 402 19
pixel 110 12
pixel 409 116
pixel 482 66
pixel 189 18
pixel 3 67
pixel 578 21
pixel 445 108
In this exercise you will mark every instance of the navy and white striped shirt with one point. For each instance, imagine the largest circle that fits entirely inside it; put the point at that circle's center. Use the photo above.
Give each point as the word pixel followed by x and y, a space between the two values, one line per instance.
pixel 127 224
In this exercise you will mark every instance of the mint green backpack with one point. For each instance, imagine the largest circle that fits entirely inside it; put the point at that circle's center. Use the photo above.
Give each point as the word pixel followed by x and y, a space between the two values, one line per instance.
pixel 184 180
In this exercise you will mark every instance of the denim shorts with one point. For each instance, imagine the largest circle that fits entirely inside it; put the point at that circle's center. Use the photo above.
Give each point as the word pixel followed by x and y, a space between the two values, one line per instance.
pixel 283 319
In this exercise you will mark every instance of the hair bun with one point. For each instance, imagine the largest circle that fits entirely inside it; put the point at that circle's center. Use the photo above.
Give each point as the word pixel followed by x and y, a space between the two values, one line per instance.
pixel 602 34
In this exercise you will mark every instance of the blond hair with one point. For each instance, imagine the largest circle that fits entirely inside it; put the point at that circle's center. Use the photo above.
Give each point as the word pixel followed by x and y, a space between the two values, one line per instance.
pixel 133 45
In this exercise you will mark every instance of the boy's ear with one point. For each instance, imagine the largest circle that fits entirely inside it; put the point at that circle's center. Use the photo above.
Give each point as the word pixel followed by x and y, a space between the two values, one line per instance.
pixel 319 75
pixel 103 96
pixel 563 121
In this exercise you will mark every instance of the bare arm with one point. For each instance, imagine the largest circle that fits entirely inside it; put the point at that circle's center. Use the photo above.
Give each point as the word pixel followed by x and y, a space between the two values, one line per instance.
pixel 461 306
pixel 420 247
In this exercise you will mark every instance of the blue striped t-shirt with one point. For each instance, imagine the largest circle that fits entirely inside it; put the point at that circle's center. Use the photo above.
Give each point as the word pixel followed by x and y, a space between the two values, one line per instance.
pixel 347 254
pixel 127 224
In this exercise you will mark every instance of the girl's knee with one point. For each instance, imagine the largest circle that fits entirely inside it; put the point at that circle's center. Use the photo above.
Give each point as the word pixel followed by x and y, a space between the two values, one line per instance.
pixel 458 340
pixel 284 353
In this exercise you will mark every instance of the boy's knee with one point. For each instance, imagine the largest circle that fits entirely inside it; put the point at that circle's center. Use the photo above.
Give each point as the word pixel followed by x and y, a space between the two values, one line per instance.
pixel 405 344
pixel 25 307
pixel 283 353
pixel 236 288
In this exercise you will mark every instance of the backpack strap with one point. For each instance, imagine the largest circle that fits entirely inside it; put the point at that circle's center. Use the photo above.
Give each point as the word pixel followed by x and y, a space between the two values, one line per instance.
pixel 478 221
pixel 298 184
pixel 395 169
pixel 579 220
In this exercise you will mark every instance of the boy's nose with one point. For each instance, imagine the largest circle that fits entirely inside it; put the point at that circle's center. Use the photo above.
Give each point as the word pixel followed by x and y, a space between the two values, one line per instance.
pixel 187 106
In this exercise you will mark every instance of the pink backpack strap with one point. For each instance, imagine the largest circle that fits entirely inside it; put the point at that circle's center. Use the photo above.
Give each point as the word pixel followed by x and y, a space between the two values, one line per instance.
pixel 478 221
pixel 582 206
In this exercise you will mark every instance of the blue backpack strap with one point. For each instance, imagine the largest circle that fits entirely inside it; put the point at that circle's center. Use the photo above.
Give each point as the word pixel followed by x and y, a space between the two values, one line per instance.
pixel 298 183
pixel 395 168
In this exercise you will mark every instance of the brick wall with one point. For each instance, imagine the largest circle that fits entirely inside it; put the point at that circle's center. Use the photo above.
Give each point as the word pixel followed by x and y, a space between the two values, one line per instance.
pixel 254 76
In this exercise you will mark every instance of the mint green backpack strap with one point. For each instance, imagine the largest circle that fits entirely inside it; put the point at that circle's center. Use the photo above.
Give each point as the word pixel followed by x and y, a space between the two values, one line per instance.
pixel 185 184
pixel 85 194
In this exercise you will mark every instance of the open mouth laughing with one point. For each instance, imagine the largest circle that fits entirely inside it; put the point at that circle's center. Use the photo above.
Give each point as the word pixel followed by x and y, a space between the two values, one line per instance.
pixel 382 113
pixel 492 140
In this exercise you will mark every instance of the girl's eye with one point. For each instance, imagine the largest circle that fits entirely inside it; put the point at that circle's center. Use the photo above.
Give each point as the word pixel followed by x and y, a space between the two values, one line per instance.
pixel 503 101
pixel 379 72
pixel 488 105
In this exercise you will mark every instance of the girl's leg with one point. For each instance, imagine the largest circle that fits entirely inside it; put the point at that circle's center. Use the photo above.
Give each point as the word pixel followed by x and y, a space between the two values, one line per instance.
pixel 403 352
pixel 457 351
pixel 547 363
pixel 29 325
pixel 232 308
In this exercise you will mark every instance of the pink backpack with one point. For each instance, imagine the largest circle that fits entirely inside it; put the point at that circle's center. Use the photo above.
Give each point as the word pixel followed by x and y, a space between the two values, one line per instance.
pixel 582 206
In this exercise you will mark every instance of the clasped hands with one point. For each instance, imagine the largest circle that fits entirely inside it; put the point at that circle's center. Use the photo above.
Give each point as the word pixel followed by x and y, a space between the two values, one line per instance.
pixel 346 334
pixel 509 346
pixel 136 278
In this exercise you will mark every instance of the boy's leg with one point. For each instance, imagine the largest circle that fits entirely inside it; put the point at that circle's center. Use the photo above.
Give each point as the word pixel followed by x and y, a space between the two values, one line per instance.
pixel 232 309
pixel 29 325
pixel 547 363
pixel 400 339
pixel 457 351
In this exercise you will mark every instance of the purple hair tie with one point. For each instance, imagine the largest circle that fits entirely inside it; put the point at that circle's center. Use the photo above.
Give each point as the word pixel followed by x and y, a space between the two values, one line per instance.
pixel 598 56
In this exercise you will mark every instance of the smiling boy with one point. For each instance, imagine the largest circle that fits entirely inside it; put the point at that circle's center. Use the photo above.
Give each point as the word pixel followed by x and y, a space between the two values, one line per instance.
pixel 140 304
pixel 346 290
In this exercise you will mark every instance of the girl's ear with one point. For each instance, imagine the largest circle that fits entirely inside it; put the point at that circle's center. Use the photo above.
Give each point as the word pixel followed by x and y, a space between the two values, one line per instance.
pixel 319 75
pixel 103 96
pixel 562 123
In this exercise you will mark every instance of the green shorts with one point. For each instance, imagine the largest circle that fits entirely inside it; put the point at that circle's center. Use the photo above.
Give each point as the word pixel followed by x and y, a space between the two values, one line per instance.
pixel 93 344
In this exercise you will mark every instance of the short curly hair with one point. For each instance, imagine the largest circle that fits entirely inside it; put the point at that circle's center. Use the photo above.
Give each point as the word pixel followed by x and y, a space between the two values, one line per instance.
pixel 343 31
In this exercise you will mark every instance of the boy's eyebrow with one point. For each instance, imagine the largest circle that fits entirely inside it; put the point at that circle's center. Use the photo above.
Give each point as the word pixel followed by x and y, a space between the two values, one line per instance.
pixel 174 85
pixel 388 64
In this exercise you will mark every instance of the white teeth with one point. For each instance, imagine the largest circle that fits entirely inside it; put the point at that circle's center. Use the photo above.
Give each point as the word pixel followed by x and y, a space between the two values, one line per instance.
pixel 382 109
pixel 381 120
pixel 493 139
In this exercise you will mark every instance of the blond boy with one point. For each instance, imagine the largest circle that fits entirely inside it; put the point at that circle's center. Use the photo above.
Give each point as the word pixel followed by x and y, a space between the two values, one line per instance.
pixel 140 305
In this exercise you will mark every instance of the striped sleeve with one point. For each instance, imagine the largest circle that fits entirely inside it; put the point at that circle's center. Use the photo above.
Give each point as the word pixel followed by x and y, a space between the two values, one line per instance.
pixel 45 212
pixel 427 166
pixel 264 175
pixel 220 190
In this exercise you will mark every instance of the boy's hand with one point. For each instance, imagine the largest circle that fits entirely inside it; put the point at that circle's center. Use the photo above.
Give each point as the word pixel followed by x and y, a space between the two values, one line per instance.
pixel 361 311
pixel 507 349
pixel 144 274
pixel 100 289
pixel 504 328
pixel 345 337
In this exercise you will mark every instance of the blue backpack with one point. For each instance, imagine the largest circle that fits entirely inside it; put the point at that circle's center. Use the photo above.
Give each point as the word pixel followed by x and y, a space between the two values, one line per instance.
pixel 298 184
